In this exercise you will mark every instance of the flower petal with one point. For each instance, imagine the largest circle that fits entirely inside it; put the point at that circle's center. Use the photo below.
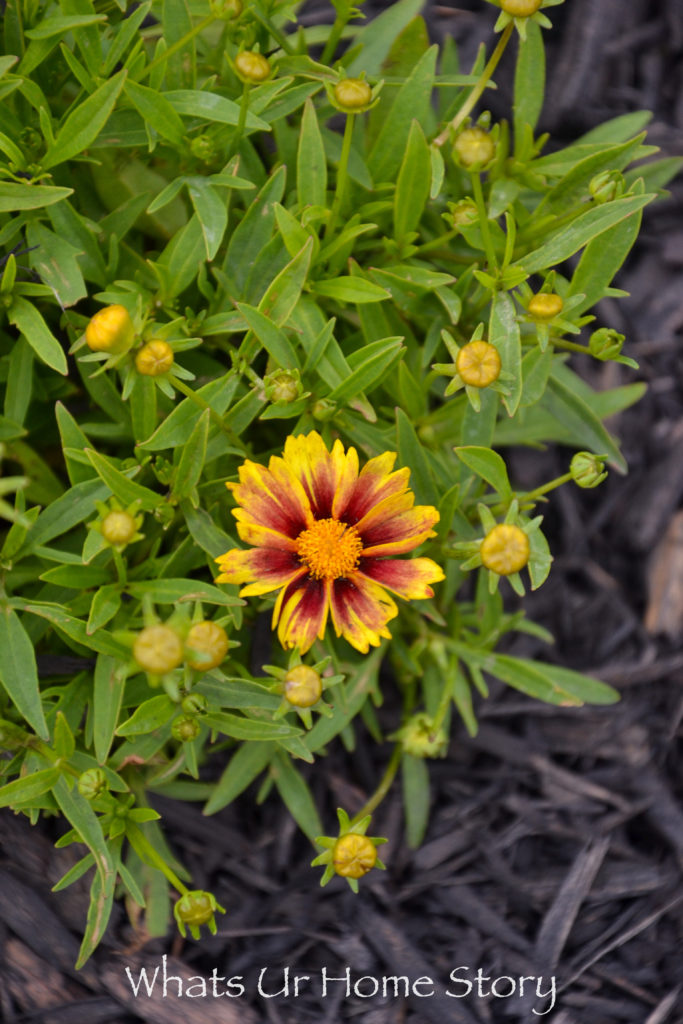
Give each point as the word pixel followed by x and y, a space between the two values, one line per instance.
pixel 302 609
pixel 401 533
pixel 407 577
pixel 375 483
pixel 271 497
pixel 270 568
pixel 360 611
pixel 321 472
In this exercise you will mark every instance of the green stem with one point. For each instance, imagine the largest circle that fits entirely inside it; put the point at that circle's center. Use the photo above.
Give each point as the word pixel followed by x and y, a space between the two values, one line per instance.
pixel 275 32
pixel 149 855
pixel 446 697
pixel 479 87
pixel 570 346
pixel 121 568
pixel 241 120
pixel 483 220
pixel 332 40
pixel 539 491
pixel 341 176
pixel 178 45
pixel 436 242
pixel 385 784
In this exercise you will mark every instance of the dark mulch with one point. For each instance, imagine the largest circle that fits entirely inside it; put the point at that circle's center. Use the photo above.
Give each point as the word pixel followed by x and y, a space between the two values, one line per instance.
pixel 555 847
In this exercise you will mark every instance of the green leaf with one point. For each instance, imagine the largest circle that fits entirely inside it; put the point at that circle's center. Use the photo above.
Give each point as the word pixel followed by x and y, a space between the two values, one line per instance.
pixel 283 292
pixel 183 418
pixel 127 491
pixel 151 715
pixel 274 340
pixel 29 787
pixel 412 454
pixel 179 591
pixel 254 231
pixel 84 124
pixel 416 798
pixel 156 111
pixel 56 261
pixel 109 684
pixel 244 766
pixel 66 512
pixel 242 728
pixel 16 196
pixel 587 226
pixel 351 289
pixel 18 672
pixel 182 257
pixel 311 164
pixel 211 107
pixel 504 334
pixel 377 37
pixel 105 605
pixel 99 912
pixel 371 367
pixel 413 184
pixel 489 466
pixel 529 81
pixel 587 430
pixel 573 186
pixel 47 28
pixel 536 366
pixel 29 321
pixel 296 796
pixel 192 459
pixel 211 212
pixel 76 577
pixel 237 693
pixel 74 628
pixel 550 683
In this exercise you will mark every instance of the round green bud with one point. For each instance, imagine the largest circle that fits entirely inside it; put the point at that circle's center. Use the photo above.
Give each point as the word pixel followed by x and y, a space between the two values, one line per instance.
pixel 203 148
pixel 607 185
pixel 353 95
pixel 464 213
pixel 303 686
pixel 419 737
pixel 283 386
pixel 206 646
pixel 185 729
pixel 545 306
pixel 92 783
pixel 520 8
pixel 605 344
pixel 474 148
pixel 194 704
pixel 587 470
pixel 252 67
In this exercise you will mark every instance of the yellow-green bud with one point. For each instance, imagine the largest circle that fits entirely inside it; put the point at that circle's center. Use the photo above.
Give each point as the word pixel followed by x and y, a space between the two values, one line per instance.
pixel 194 909
pixel 520 8
pixel 158 649
pixel 464 212
pixel 282 386
pixel 607 185
pixel 252 67
pixel 419 737
pixel 478 364
pixel 545 306
pixel 303 686
pixel 185 729
pixel 194 704
pixel 92 783
pixel 206 646
pixel 203 148
pixel 353 95
pixel 154 358
pixel 587 470
pixel 110 330
pixel 474 148
pixel 605 344
pixel 505 549
pixel 353 855
pixel 119 528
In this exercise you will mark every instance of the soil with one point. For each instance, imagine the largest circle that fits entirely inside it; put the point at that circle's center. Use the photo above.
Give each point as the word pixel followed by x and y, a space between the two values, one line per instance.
pixel 555 845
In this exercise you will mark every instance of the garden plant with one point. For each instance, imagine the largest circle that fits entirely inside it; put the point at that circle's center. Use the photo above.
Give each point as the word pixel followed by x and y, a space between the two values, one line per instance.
pixel 274 302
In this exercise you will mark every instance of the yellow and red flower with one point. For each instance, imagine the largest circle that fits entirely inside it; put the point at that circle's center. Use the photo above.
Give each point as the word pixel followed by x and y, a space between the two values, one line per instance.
pixel 324 535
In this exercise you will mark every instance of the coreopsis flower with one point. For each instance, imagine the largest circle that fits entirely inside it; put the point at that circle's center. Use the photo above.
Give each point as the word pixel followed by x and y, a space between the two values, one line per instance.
pixel 325 535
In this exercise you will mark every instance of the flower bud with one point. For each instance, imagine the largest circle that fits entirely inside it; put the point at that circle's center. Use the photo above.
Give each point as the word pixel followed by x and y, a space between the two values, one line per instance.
pixel 419 737
pixel 252 67
pixel 203 148
pixel 119 529
pixel 478 364
pixel 587 470
pixel 283 386
pixel 474 148
pixel 92 783
pixel 194 909
pixel 226 8
pixel 303 686
pixel 545 306
pixel 154 358
pixel 464 213
pixel 110 330
pixel 353 855
pixel 505 549
pixel 605 343
pixel 185 729
pixel 206 646
pixel 158 649
pixel 606 186
pixel 353 95
pixel 194 704
pixel 520 8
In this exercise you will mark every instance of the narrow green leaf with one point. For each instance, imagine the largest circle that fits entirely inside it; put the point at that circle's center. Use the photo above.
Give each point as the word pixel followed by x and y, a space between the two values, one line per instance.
pixel 244 766
pixel 156 111
pixel 242 728
pixel 416 798
pixel 585 427
pixel 211 211
pixel 351 289
pixel 179 591
pixel 84 124
pixel 192 459
pixel 126 490
pixel 529 81
pixel 28 787
pixel 489 466
pixel 381 356
pixel 297 796
pixel 311 165
pixel 109 684
pixel 274 340
pixel 29 321
pixel 504 334
pixel 152 714
pixel 16 196
pixel 105 605
pixel 413 184
pixel 18 672
pixel 212 107
pixel 550 683
pixel 283 292
pixel 412 454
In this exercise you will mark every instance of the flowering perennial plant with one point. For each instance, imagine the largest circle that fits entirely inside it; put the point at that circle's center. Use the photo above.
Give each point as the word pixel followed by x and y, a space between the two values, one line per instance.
pixel 305 263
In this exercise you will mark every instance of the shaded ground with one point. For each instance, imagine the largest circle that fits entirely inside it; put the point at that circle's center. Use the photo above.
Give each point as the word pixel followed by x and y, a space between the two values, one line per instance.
pixel 556 841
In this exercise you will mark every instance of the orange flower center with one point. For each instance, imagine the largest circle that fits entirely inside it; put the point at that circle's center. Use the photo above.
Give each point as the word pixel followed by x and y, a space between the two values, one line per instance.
pixel 329 549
